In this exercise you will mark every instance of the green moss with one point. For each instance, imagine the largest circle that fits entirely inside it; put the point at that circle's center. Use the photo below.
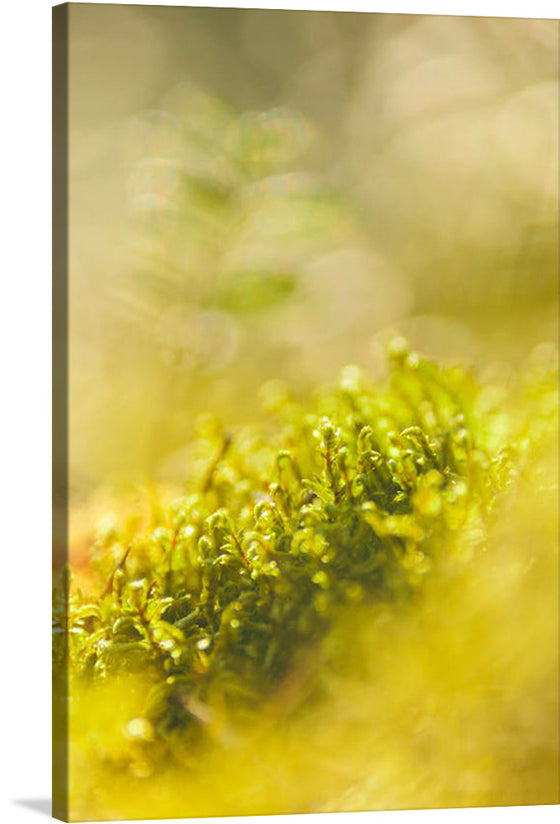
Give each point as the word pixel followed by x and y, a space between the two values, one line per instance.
pixel 355 500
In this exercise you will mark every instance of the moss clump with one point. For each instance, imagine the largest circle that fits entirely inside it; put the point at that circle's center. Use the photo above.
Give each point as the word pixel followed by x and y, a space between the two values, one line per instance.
pixel 225 591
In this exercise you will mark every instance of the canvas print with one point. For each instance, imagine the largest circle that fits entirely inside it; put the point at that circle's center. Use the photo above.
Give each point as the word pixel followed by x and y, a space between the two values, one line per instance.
pixel 305 464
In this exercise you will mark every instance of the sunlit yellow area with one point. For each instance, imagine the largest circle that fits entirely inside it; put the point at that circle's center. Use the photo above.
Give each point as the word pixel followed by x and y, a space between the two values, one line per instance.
pixel 451 704
pixel 313 458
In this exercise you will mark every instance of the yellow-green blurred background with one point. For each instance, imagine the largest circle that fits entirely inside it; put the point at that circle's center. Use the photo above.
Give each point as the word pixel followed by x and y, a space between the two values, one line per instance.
pixel 262 194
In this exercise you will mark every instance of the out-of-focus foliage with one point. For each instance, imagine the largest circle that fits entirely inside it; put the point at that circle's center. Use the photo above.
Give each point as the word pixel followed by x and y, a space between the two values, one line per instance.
pixel 223 598
pixel 223 225
pixel 408 180
pixel 234 253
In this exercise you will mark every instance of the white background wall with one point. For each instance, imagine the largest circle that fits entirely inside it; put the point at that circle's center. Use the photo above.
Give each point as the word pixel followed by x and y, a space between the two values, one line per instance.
pixel 25 28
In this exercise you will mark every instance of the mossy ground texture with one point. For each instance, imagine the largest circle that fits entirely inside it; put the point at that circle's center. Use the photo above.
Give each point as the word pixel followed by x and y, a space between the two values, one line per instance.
pixel 352 605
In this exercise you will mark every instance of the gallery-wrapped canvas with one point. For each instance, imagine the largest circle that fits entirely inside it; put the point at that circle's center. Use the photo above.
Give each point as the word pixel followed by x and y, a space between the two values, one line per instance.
pixel 305 465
